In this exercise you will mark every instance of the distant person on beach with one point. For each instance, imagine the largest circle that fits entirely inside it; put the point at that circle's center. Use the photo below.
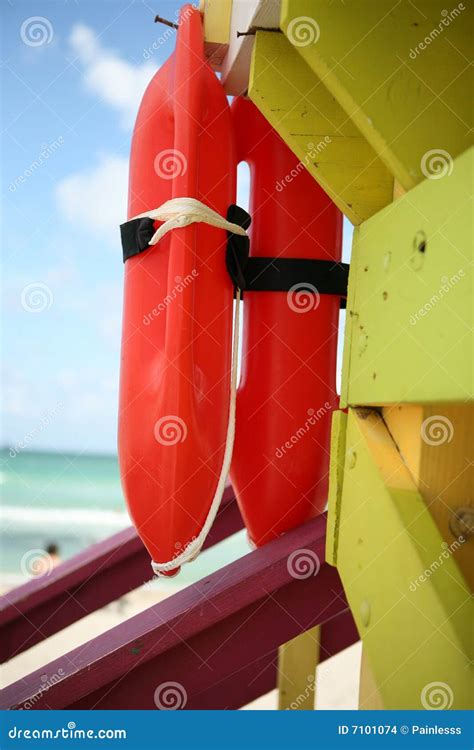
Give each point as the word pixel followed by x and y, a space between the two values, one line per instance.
pixel 53 552
pixel 49 561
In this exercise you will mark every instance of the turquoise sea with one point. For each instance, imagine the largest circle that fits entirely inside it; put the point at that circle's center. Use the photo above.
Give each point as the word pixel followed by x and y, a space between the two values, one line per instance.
pixel 72 500
pixel 67 499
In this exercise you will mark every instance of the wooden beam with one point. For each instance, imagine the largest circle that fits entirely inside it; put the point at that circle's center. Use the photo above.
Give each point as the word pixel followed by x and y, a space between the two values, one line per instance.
pixel 435 442
pixel 337 461
pixel 247 16
pixel 369 696
pixel 198 637
pixel 261 676
pixel 336 635
pixel 400 71
pixel 409 306
pixel 90 580
pixel 308 118
pixel 297 662
pixel 217 14
pixel 401 579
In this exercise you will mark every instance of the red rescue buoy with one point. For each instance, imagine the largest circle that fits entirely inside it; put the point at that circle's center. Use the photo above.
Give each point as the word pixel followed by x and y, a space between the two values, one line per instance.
pixel 177 318
pixel 287 390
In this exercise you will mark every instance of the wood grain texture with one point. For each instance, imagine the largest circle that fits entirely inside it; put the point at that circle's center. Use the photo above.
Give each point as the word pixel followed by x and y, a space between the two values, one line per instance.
pixel 399 70
pixel 435 442
pixel 313 124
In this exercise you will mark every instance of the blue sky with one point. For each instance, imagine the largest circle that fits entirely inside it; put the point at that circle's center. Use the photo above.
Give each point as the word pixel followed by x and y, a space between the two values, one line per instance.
pixel 68 110
pixel 73 76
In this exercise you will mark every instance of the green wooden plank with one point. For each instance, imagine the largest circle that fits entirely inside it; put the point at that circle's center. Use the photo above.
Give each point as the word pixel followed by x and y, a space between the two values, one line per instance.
pixel 409 317
pixel 336 478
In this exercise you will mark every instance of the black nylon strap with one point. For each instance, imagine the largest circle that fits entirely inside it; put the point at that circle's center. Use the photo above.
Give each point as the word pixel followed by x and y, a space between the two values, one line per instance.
pixel 136 234
pixel 238 246
pixel 260 274
pixel 251 274
pixel 282 274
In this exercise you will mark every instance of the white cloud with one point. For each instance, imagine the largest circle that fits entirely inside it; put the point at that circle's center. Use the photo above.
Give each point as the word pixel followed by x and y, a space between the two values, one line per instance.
pixel 96 198
pixel 119 83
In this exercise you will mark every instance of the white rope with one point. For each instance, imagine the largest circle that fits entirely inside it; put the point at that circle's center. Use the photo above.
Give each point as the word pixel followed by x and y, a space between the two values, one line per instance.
pixel 180 212
pixel 175 213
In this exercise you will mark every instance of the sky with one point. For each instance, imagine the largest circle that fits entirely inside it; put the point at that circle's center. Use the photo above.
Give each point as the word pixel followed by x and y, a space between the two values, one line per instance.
pixel 73 75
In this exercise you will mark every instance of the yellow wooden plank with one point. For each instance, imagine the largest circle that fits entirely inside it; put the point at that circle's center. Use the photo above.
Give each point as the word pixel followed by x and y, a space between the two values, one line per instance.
pixel 337 460
pixel 369 696
pixel 297 662
pixel 316 128
pixel 410 601
pixel 217 15
pixel 246 17
pixel 409 311
pixel 399 69
pixel 435 442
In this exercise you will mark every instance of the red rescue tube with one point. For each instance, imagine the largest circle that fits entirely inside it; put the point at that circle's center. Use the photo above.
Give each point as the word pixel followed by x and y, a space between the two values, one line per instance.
pixel 177 317
pixel 287 388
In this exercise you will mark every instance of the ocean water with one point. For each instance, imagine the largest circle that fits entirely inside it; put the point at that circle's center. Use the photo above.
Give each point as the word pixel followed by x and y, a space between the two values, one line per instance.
pixel 67 499
pixel 72 500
